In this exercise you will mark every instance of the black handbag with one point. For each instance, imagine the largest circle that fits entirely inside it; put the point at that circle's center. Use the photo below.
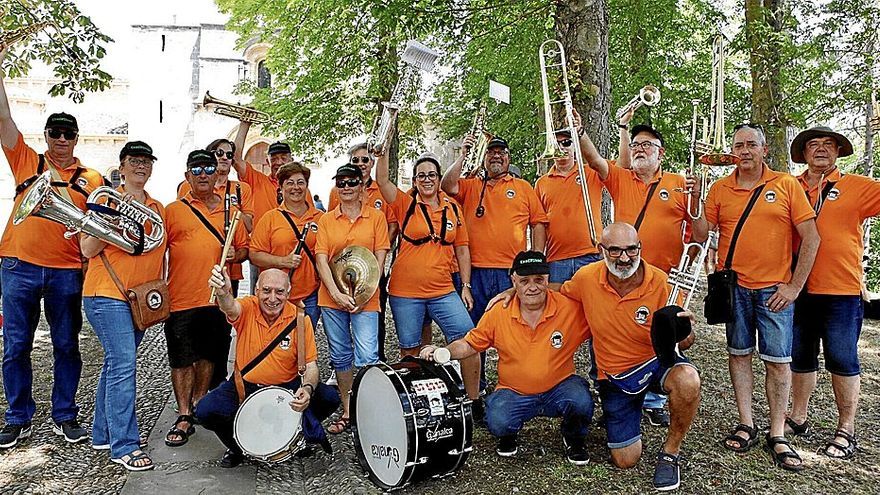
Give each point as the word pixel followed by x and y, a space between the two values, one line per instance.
pixel 718 303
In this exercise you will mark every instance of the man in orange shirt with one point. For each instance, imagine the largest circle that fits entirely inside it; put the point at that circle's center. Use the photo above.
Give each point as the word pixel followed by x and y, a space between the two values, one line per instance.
pixel 765 285
pixel 196 332
pixel 39 263
pixel 259 320
pixel 619 298
pixel 830 310
pixel 536 337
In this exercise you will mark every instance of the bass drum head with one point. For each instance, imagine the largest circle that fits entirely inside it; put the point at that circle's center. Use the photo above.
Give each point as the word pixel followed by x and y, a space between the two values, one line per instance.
pixel 265 424
pixel 381 432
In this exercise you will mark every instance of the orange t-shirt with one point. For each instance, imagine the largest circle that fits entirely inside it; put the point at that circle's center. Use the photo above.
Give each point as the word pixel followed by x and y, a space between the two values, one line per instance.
pixel 661 228
pixel 253 335
pixel 336 232
pixel 193 251
pixel 264 189
pixel 852 199
pixel 762 256
pixel 131 270
pixel 273 235
pixel 560 195
pixel 245 204
pixel 510 205
pixel 374 198
pixel 532 361
pixel 423 271
pixel 28 240
pixel 621 326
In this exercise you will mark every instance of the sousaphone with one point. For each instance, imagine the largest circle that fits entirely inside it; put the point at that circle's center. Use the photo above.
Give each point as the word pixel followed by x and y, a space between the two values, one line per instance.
pixel 356 272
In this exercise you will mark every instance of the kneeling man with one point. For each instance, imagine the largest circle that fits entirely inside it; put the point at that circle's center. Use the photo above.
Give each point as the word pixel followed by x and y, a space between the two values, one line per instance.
pixel 260 321
pixel 536 337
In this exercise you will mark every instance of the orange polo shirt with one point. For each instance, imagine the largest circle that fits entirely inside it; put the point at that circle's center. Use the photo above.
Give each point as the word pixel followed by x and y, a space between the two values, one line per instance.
pixel 253 335
pixel 245 204
pixel 273 235
pixel 621 326
pixel 336 232
pixel 264 189
pixel 423 271
pixel 193 251
pixel 661 228
pixel 131 270
pixel 560 195
pixel 373 194
pixel 532 361
pixel 511 205
pixel 762 256
pixel 852 199
pixel 37 240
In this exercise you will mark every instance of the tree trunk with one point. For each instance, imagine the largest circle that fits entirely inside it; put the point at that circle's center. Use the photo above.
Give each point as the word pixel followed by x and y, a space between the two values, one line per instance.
pixel 764 34
pixel 387 57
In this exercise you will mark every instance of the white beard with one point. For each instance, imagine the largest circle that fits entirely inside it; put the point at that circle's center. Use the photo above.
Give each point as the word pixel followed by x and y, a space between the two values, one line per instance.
pixel 625 273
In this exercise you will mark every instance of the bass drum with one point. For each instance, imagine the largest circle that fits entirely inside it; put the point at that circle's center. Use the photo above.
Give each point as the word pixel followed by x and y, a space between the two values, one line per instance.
pixel 411 421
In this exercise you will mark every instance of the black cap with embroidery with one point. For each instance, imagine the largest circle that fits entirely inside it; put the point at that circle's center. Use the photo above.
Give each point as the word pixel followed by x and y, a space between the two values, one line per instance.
pixel 200 157
pixel 136 148
pixel 349 170
pixel 62 120
pixel 497 142
pixel 646 128
pixel 530 263
pixel 279 147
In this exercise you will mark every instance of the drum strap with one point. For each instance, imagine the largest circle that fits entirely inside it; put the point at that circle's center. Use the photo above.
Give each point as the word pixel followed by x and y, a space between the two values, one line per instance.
pixel 299 324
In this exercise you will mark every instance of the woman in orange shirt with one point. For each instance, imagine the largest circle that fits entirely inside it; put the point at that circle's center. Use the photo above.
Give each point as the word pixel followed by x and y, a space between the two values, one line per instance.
pixel 115 425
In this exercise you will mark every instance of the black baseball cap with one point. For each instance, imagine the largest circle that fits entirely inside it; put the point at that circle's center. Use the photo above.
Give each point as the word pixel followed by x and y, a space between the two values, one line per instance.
pixel 497 142
pixel 136 148
pixel 349 170
pixel 62 120
pixel 530 263
pixel 646 128
pixel 279 147
pixel 200 157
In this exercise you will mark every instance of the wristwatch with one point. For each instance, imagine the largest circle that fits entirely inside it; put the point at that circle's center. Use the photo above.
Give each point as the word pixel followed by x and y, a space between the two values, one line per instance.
pixel 467 284
pixel 625 127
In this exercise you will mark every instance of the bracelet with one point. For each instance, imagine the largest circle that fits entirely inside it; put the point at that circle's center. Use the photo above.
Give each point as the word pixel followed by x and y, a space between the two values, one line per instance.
pixel 311 388
pixel 467 284
pixel 625 127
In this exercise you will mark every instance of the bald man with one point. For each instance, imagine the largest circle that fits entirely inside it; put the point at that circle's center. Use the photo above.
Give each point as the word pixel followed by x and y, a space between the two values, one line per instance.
pixel 266 354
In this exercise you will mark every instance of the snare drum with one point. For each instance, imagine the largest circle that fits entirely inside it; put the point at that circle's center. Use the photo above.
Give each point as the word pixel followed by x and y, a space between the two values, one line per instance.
pixel 266 428
pixel 410 421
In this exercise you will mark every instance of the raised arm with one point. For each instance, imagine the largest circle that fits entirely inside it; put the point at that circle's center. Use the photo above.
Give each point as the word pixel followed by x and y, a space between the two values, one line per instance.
pixel 8 129
pixel 238 160
pixel 449 183
pixel 623 155
pixel 222 286
pixel 386 187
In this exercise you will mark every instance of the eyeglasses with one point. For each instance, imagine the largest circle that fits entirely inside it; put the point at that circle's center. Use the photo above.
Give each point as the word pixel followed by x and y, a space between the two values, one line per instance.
pixel 497 151
pixel 348 183
pixel 360 159
pixel 645 145
pixel 421 176
pixel 616 252
pixel 139 162
pixel 219 154
pixel 57 133
pixel 208 170
pixel 565 143
pixel 296 182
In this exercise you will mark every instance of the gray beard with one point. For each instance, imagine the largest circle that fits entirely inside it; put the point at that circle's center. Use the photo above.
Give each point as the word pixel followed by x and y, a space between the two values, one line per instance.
pixel 622 274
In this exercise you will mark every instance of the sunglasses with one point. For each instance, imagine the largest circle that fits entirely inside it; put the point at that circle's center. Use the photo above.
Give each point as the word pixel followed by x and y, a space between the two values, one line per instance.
pixel 348 183
pixel 360 159
pixel 207 169
pixel 57 133
pixel 219 154
pixel 565 143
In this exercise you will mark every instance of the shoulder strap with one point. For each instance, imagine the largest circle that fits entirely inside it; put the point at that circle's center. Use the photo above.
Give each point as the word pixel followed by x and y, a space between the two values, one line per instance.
pixel 650 195
pixel 301 236
pixel 113 275
pixel 739 225
pixel 41 165
pixel 205 221
pixel 301 340
pixel 269 348
pixel 821 201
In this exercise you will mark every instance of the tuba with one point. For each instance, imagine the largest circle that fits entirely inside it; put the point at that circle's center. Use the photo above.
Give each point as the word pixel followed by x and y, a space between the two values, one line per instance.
pixel 128 225
pixel 475 156
pixel 240 112
pixel 648 97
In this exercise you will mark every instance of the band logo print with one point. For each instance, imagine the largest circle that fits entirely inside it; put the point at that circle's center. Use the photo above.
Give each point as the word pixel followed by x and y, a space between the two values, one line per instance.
pixel 556 340
pixel 380 452
pixel 833 194
pixel 770 196
pixel 511 193
pixel 154 300
pixel 663 195
pixel 642 315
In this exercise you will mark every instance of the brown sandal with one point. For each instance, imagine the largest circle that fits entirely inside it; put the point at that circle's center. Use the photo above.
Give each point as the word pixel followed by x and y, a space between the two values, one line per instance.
pixel 339 426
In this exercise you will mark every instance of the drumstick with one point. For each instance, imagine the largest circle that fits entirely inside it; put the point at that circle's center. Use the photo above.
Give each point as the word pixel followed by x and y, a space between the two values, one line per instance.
pixel 226 247
pixel 299 246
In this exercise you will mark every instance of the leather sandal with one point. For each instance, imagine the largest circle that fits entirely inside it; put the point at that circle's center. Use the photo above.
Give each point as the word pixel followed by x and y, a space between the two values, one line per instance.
pixel 798 430
pixel 848 450
pixel 178 432
pixel 779 458
pixel 742 444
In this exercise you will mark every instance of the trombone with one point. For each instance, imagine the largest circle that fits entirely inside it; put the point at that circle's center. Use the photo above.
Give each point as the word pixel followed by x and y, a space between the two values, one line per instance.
pixel 552 57
pixel 240 112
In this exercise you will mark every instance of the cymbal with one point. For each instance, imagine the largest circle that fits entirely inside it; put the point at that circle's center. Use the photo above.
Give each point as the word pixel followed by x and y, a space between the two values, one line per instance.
pixel 356 273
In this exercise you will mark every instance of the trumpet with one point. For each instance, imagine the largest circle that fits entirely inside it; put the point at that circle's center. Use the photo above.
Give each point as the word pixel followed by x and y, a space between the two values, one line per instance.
pixel 648 97
pixel 475 156
pixel 552 57
pixel 684 279
pixel 240 112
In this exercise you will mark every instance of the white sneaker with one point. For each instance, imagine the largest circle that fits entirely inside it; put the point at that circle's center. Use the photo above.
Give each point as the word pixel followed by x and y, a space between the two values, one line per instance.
pixel 331 382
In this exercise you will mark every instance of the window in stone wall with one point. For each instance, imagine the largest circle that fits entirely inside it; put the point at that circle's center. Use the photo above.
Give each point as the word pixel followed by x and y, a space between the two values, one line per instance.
pixel 264 78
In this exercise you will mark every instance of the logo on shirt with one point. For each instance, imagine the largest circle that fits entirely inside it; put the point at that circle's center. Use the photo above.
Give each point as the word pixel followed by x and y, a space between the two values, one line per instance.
pixel 833 194
pixel 285 343
pixel 233 199
pixel 378 204
pixel 82 182
pixel 642 315
pixel 770 196
pixel 154 300
pixel 449 225
pixel 663 194
pixel 556 340
pixel 577 180
pixel 313 226
pixel 511 193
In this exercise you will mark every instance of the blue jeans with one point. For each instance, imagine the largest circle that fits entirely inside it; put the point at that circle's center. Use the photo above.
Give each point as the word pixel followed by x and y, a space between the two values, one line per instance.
pixel 115 421
pixel 312 309
pixel 836 321
pixel 346 352
pixel 774 328
pixel 487 283
pixel 24 284
pixel 562 270
pixel 507 411
pixel 448 311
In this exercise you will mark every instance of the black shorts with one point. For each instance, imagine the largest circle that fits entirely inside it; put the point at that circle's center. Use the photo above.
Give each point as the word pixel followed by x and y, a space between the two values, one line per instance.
pixel 194 334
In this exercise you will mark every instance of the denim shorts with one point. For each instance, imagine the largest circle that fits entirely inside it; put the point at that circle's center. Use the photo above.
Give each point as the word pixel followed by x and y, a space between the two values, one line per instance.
pixel 353 338
pixel 448 311
pixel 774 329
pixel 623 411
pixel 836 321
pixel 562 270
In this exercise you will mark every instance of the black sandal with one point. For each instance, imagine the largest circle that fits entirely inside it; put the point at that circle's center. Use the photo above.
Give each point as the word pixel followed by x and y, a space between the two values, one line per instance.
pixel 798 430
pixel 742 444
pixel 848 450
pixel 183 434
pixel 130 461
pixel 780 457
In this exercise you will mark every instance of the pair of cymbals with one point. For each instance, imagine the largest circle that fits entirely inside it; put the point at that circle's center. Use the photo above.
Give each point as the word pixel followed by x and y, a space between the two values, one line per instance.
pixel 356 272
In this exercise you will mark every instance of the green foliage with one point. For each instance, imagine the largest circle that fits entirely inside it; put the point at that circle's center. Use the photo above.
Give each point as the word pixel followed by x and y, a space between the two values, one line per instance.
pixel 71 44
